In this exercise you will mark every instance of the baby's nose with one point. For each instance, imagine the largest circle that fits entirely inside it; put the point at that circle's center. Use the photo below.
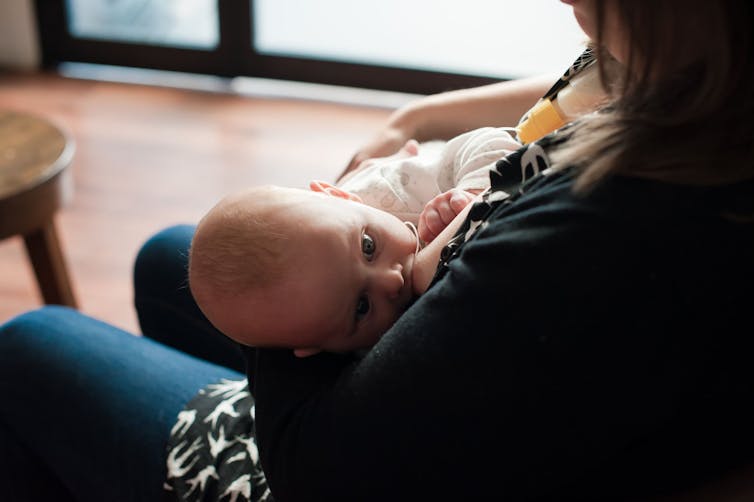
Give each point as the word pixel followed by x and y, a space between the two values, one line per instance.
pixel 391 280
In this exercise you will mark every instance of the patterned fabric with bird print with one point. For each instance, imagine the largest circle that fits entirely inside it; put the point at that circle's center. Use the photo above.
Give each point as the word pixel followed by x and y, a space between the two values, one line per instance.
pixel 212 452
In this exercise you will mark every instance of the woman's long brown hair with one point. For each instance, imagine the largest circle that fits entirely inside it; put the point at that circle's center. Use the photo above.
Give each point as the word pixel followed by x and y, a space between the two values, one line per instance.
pixel 683 107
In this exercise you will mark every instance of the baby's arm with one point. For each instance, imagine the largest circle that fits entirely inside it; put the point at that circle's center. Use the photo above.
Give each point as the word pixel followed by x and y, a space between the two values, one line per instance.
pixel 439 212
pixel 425 264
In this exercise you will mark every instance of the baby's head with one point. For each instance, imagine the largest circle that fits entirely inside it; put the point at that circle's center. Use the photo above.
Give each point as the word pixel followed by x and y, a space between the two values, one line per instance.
pixel 283 267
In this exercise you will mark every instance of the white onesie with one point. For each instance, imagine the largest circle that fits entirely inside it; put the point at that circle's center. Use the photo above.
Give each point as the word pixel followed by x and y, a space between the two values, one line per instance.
pixel 402 186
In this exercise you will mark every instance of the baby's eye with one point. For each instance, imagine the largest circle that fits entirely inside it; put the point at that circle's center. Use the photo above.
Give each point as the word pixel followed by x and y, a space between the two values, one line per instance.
pixel 362 307
pixel 368 246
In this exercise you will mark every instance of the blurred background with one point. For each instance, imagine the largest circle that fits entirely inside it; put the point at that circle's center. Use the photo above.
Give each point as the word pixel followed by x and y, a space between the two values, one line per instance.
pixel 171 104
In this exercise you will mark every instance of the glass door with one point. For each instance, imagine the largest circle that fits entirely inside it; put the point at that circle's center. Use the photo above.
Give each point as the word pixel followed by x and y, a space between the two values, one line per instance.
pixel 421 46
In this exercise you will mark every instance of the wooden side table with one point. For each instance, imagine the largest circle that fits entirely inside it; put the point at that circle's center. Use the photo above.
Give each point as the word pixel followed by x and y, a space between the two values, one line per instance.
pixel 34 184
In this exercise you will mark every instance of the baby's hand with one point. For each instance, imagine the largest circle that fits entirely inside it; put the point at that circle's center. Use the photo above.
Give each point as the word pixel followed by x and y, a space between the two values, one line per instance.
pixel 440 211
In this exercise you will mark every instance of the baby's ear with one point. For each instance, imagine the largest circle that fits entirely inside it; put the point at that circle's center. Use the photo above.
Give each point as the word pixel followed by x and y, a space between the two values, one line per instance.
pixel 329 189
pixel 305 352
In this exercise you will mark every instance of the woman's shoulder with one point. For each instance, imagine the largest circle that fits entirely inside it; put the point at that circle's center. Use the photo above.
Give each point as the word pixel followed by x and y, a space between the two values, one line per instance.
pixel 623 222
pixel 633 207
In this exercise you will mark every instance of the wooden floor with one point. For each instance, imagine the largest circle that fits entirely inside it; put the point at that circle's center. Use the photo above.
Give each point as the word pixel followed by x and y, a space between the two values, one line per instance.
pixel 151 157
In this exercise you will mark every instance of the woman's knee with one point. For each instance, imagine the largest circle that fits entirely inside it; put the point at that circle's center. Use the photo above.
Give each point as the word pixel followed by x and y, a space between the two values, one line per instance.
pixel 23 336
pixel 51 345
pixel 39 351
pixel 161 264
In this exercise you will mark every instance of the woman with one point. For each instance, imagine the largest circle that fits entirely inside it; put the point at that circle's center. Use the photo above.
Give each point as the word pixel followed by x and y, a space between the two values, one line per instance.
pixel 581 340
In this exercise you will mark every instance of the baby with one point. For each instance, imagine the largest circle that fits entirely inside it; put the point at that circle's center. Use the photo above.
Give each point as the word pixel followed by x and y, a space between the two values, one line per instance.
pixel 307 270
pixel 333 268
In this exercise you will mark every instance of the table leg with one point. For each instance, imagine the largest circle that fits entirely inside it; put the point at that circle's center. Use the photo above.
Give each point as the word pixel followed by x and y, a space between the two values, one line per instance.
pixel 46 257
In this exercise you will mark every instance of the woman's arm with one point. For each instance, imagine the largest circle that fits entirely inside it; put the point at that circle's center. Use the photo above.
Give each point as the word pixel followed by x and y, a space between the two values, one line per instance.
pixel 562 356
pixel 445 115
pixel 455 401
pixel 448 114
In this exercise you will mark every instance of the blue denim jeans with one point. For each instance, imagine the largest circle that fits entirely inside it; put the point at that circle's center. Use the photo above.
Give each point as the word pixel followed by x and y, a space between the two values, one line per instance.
pixel 85 408
pixel 167 311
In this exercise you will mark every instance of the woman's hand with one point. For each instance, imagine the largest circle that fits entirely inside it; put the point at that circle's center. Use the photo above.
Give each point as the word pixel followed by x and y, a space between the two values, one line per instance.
pixel 440 211
pixel 387 142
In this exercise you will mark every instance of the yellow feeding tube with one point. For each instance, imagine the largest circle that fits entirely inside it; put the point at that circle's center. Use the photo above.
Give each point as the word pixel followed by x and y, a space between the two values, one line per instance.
pixel 580 95
pixel 542 119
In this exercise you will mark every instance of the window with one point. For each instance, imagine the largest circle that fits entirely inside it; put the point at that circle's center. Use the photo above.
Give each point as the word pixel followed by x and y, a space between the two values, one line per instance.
pixel 421 46
pixel 188 23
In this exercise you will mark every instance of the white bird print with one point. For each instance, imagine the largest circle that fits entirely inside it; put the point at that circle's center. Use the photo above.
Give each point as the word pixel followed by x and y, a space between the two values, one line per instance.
pixel 175 464
pixel 200 479
pixel 226 407
pixel 185 420
pixel 240 486
pixel 237 457
pixel 251 447
pixel 535 158
pixel 226 387
pixel 258 479
pixel 216 446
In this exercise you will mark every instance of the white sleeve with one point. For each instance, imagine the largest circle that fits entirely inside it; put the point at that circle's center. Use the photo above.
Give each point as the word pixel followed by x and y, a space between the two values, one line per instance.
pixel 399 185
pixel 469 157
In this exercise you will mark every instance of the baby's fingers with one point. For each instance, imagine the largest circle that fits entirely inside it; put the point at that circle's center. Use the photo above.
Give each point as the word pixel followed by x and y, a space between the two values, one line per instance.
pixel 445 210
pixel 459 199
pixel 430 225
pixel 435 217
